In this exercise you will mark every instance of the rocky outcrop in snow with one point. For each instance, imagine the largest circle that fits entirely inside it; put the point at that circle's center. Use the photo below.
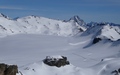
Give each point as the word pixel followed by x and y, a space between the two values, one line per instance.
pixel 41 68
pixel 56 61
pixel 2 15
pixel 8 69
pixel 96 40
pixel 77 20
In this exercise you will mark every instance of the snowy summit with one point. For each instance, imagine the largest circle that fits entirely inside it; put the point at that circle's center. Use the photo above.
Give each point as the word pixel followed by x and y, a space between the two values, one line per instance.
pixel 40 25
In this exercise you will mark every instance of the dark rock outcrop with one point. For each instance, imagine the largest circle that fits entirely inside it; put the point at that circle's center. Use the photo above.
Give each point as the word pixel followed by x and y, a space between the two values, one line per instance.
pixel 3 67
pixel 96 40
pixel 116 72
pixel 58 62
pixel 8 69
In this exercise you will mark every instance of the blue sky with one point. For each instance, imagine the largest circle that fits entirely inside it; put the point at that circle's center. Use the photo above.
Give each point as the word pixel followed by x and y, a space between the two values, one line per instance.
pixel 88 10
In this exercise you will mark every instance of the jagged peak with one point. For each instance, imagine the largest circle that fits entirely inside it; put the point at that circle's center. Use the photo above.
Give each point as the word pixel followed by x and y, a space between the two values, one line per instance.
pixel 75 18
pixel 78 20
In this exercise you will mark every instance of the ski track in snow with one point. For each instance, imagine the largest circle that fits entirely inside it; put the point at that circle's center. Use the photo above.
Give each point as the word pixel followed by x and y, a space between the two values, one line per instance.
pixel 79 43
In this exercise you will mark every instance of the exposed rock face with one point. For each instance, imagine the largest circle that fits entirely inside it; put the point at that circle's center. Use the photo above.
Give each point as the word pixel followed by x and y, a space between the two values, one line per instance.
pixel 8 69
pixel 78 20
pixel 58 62
pixel 116 72
pixel 3 67
pixel 96 40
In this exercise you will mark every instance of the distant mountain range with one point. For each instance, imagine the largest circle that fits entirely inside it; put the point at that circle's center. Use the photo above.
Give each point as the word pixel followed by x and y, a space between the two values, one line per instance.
pixel 41 25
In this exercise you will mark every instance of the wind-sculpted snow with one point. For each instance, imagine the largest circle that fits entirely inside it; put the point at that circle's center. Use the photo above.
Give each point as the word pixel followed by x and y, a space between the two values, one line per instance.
pixel 39 25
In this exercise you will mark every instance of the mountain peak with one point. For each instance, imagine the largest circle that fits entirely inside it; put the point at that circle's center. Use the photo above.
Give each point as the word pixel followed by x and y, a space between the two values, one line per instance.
pixel 77 20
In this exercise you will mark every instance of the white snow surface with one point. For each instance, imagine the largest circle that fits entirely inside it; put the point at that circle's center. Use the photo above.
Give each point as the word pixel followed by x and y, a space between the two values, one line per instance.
pixel 28 51
pixel 109 32
pixel 39 25
pixel 27 48
pixel 106 31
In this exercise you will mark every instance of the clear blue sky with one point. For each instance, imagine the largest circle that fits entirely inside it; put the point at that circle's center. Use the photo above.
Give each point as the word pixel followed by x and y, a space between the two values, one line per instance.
pixel 88 10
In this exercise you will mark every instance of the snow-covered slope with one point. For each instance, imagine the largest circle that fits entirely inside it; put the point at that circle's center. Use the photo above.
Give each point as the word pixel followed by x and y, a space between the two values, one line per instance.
pixel 39 25
pixel 109 66
pixel 104 31
pixel 28 51
pixel 110 32
pixel 43 69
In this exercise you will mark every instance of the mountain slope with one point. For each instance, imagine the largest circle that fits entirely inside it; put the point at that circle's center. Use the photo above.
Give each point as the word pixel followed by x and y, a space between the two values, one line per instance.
pixel 103 31
pixel 39 25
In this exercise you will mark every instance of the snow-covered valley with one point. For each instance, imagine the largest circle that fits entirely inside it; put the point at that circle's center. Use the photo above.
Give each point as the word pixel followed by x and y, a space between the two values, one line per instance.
pixel 27 41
